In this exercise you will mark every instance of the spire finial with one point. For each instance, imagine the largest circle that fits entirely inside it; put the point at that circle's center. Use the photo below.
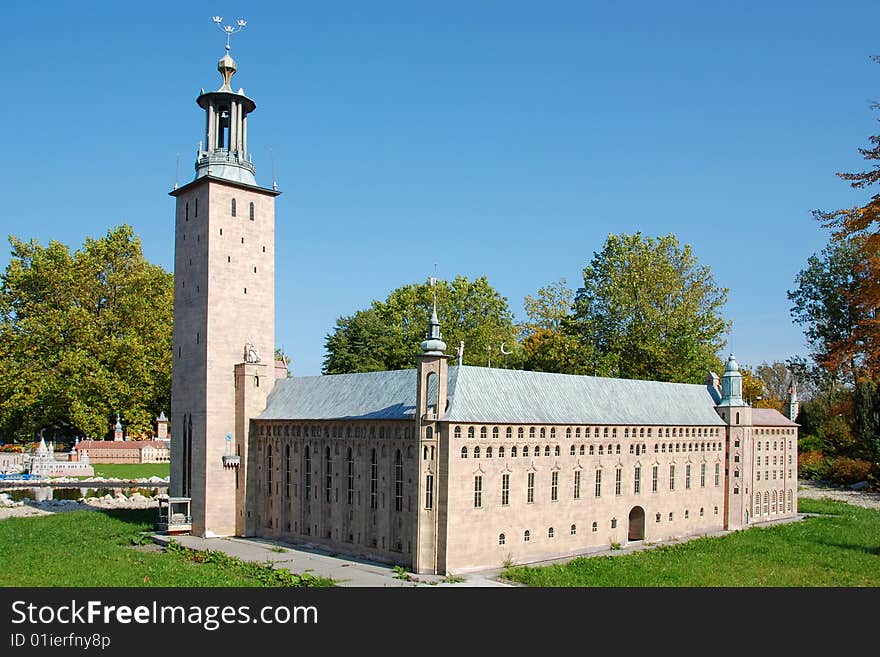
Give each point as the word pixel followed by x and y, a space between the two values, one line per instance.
pixel 226 65
pixel 229 29
pixel 434 345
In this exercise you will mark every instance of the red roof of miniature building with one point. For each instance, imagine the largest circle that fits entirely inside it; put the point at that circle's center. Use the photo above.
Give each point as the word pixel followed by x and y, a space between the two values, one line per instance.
pixel 119 444
pixel 770 417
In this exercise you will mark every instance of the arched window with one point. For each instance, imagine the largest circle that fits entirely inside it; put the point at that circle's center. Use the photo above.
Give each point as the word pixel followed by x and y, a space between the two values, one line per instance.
pixel 757 504
pixel 573 530
pixel 766 503
pixel 543 433
pixel 509 433
pixel 489 452
pixel 483 433
pixel 737 417
pixel 232 209
pixel 595 526
pixel 568 433
pixel 476 452
pixel 464 452
pixel 513 452
pixel 501 539
pixel 457 433
pixel 526 535
pixel 525 451
pixel 550 532
pixel 495 434
pixel 773 503
pixel 424 452
pixel 546 450
pixel 470 433
pixel 582 450
pixel 520 434
pixel 251 211
pixel 531 433
pixel 571 451
pixel 501 452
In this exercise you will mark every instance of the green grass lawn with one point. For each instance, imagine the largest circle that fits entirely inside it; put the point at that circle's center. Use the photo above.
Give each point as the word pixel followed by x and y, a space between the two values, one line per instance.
pixel 839 548
pixel 131 470
pixel 95 548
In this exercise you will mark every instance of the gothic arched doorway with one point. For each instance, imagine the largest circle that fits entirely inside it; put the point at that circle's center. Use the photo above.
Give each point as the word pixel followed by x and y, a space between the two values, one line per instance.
pixel 636 524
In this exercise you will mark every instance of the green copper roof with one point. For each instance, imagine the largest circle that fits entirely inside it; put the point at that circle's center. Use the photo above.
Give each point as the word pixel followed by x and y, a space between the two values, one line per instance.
pixel 482 394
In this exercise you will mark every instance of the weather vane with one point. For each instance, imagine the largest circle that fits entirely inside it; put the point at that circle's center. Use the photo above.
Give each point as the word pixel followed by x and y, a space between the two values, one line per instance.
pixel 229 29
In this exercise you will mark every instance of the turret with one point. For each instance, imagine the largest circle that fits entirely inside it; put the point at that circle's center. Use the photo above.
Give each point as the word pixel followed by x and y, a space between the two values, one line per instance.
pixel 793 407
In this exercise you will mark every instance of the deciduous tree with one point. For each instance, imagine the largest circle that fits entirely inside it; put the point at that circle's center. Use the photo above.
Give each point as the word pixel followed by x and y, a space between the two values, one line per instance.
pixel 649 310
pixel 83 336
pixel 386 336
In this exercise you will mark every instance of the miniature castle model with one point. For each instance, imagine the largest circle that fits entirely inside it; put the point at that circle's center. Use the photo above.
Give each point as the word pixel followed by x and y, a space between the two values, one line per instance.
pixel 442 469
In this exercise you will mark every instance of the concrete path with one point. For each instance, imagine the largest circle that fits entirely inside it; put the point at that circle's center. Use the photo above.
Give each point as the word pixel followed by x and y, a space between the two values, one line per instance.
pixel 345 570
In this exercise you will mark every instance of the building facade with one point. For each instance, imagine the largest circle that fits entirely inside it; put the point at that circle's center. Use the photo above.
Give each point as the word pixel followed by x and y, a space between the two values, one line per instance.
pixel 442 469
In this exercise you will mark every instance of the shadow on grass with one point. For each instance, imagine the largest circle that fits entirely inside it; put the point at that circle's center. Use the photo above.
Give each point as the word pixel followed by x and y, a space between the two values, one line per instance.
pixel 875 551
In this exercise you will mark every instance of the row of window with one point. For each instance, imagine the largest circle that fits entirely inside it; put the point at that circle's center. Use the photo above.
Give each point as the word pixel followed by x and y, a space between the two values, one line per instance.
pixel 597 483
pixel 573 450
pixel 233 209
pixel 551 531
pixel 781 444
pixel 772 500
pixel 767 460
pixel 336 431
pixel 325 478
pixel 767 474
pixel 774 432
pixel 677 432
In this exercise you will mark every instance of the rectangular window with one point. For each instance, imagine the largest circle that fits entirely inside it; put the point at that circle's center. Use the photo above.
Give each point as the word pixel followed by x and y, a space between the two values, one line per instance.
pixel 429 491
pixel 598 483
pixel 554 486
pixel 617 479
pixel 687 476
pixel 478 492
pixel 654 472
pixel 328 477
pixel 530 494
pixel 374 482
pixel 350 473
pixel 702 475
pixel 671 477
pixel 717 474
pixel 637 480
pixel 577 484
pixel 505 489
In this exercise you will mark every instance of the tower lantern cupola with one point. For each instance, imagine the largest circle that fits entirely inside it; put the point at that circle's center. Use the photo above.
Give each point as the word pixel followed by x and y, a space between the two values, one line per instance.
pixel 224 153
pixel 434 345
pixel 731 384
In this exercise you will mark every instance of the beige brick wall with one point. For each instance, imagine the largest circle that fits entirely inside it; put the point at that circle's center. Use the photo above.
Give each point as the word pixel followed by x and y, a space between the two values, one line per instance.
pixel 224 298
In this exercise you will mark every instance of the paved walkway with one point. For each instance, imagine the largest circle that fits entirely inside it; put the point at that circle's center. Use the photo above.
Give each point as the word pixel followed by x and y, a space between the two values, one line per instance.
pixel 345 570
pixel 351 571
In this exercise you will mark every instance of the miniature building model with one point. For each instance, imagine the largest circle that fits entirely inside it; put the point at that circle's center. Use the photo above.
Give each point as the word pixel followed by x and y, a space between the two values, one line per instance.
pixel 443 469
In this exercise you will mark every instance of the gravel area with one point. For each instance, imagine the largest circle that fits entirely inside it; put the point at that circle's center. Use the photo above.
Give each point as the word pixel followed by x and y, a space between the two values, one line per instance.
pixel 819 490
pixel 27 507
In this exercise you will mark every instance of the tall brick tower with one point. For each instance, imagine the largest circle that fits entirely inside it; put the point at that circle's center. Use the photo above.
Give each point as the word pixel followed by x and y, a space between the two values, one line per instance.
pixel 224 314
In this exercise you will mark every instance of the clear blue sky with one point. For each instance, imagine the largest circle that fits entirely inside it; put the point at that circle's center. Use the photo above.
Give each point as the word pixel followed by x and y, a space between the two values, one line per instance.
pixel 504 139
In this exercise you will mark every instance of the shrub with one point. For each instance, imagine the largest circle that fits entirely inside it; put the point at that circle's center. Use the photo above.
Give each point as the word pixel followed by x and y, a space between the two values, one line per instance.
pixel 845 470
pixel 812 465
pixel 809 443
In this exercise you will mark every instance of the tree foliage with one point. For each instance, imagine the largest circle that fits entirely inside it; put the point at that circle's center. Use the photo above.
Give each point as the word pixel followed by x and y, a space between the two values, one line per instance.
pixel 648 310
pixel 547 343
pixel 387 335
pixel 860 225
pixel 83 336
pixel 820 305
